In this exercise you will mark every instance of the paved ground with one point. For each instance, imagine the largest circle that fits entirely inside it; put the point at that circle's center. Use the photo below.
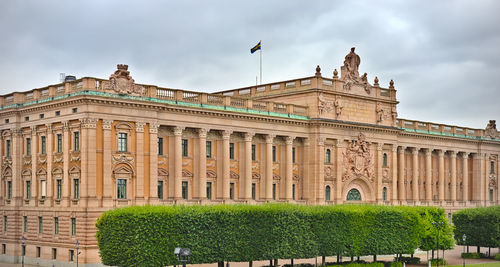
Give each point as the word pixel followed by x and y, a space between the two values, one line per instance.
pixel 451 256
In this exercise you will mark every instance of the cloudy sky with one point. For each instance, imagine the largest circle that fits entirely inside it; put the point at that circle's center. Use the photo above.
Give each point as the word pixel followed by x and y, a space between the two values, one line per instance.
pixel 444 56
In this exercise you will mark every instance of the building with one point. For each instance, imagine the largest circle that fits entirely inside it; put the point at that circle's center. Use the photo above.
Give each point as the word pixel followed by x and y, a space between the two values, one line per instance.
pixel 73 150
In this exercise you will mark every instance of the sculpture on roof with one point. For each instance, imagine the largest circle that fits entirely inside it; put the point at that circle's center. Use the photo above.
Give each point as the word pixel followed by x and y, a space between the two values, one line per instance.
pixel 122 83
pixel 350 72
pixel 491 129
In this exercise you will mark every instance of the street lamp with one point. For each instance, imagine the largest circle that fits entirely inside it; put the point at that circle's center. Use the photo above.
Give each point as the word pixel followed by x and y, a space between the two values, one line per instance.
pixel 77 253
pixel 23 244
pixel 182 255
pixel 464 237
pixel 438 226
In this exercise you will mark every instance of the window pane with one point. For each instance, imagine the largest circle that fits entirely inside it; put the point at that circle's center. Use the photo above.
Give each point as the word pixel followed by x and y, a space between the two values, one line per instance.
pixel 209 149
pixel 274 191
pixel 231 150
pixel 76 188
pixel 59 189
pixel 44 188
pixel 28 189
pixel 160 189
pixel 122 142
pixel 253 191
pixel 231 191
pixel 76 141
pixel 293 191
pixel 327 193
pixel 9 189
pixel 121 189
pixel 28 146
pixel 184 190
pixel 56 225
pixel 209 190
pixel 8 147
pixel 160 146
pixel 25 224
pixel 253 152
pixel 40 225
pixel 293 154
pixel 44 147
pixel 59 143
pixel 73 226
pixel 274 153
pixel 184 147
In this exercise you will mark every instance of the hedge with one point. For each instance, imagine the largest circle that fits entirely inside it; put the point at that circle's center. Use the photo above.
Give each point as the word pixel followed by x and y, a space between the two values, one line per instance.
pixel 481 225
pixel 147 235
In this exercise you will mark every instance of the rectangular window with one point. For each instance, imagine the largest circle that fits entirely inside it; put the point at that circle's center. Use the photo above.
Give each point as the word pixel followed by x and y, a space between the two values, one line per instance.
pixel 184 190
pixel 42 116
pixel 253 191
pixel 121 186
pixel 73 226
pixel 9 189
pixel 209 149
pixel 59 143
pixel 76 141
pixel 5 223
pixel 4 249
pixel 274 191
pixel 231 150
pixel 56 225
pixel 75 110
pixel 274 153
pixel 71 255
pixel 231 190
pixel 25 224
pixel 44 145
pixel 184 147
pixel 160 146
pixel 209 190
pixel 40 224
pixel 58 113
pixel 160 189
pixel 491 194
pixel 28 189
pixel 293 191
pixel 293 154
pixel 253 152
pixel 43 188
pixel 28 146
pixel 23 251
pixel 38 250
pixel 58 188
pixel 7 142
pixel 54 253
pixel 76 188
pixel 122 142
pixel 27 118
pixel 492 167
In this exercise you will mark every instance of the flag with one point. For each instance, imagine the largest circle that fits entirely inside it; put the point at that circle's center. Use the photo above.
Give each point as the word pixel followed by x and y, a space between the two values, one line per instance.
pixel 255 48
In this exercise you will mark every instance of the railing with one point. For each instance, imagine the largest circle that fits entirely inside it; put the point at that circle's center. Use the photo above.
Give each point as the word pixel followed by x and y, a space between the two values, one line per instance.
pixel 441 129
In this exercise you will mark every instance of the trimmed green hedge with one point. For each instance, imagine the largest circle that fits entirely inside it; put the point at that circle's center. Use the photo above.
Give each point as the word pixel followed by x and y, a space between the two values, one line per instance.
pixel 481 225
pixel 147 235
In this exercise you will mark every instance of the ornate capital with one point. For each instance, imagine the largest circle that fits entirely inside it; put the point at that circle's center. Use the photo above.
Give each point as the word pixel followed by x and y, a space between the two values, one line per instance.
pixel 428 152
pixel 89 123
pixel 289 140
pixel 153 127
pixel 249 136
pixel 33 130
pixel 380 146
pixel 321 141
pixel 415 150
pixel 306 141
pixel 139 127
pixel 65 125
pixel 453 154
pixel 178 130
pixel 440 153
pixel 465 155
pixel 202 132
pixel 226 134
pixel 339 143
pixel 270 138
pixel 48 126
pixel 401 149
pixel 106 124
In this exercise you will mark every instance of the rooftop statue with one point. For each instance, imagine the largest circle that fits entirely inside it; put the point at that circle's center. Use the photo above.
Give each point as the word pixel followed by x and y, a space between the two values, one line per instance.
pixel 351 65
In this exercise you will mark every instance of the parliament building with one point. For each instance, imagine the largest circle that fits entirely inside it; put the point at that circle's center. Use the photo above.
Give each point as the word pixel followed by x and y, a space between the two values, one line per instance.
pixel 73 150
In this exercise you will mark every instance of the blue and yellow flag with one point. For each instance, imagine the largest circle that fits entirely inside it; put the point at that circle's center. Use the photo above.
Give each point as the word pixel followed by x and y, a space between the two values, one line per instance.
pixel 255 48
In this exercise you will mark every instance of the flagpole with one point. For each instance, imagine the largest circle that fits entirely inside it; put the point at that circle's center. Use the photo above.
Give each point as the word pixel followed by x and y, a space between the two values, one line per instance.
pixel 260 61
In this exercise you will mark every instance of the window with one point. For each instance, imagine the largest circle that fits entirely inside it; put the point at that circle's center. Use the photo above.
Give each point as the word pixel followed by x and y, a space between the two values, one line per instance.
pixel 4 249
pixel 43 188
pixel 28 146
pixel 7 145
pixel 71 255
pixel 384 194
pixel 25 224
pixel 9 189
pixel 59 143
pixel 38 252
pixel 76 141
pixel 160 189
pixel 40 224
pixel 491 194
pixel 327 193
pixel 5 223
pixel 231 150
pixel 184 190
pixel 122 142
pixel 209 149
pixel 328 155
pixel 384 160
pixel 253 191
pixel 293 154
pixel 44 145
pixel 54 253
pixel 184 147
pixel 6 120
pixel 27 118
pixel 253 152
pixel 75 110
pixel 231 190
pixel 492 167
pixel 76 188
pixel 58 113
pixel 73 226
pixel 209 190
pixel 58 188
pixel 274 191
pixel 160 146
pixel 56 225
pixel 293 191
pixel 23 250
pixel 274 153
pixel 42 116
pixel 28 189
pixel 121 189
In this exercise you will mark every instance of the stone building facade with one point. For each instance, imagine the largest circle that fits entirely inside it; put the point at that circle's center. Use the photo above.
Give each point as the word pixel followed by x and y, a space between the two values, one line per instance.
pixel 73 150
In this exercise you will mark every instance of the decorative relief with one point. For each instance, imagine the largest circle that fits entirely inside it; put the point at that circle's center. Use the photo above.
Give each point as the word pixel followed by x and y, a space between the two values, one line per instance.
pixel 186 173
pixel 7 162
pixel 276 177
pixel 27 160
pixel 394 114
pixel 338 106
pixel 139 127
pixel 122 83
pixel 211 174
pixel 106 124
pixel 186 162
pixel 276 166
pixel 42 158
pixel 153 127
pixel 255 175
pixel 358 160
pixel 350 73
pixel 324 106
pixel 74 156
pixel 210 163
pixel 295 177
pixel 58 157
pixel 89 123
pixel 380 112
pixel 122 158
pixel 491 129
pixel 234 175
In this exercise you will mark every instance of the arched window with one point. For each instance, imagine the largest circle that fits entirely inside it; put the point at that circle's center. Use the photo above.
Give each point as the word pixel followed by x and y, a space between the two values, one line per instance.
pixel 327 193
pixel 328 155
pixel 354 195
pixel 384 194
pixel 384 160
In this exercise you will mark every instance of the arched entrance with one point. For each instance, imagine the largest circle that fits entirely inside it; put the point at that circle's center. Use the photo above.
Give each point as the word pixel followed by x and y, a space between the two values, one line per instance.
pixel 353 195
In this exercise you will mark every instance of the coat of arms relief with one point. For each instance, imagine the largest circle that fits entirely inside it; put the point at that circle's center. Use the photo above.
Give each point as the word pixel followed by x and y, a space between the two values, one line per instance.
pixel 358 160
pixel 122 83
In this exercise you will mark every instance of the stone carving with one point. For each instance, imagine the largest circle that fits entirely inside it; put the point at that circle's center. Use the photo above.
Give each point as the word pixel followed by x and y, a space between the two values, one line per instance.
pixel 358 160
pixel 380 112
pixel 492 183
pixel 350 73
pixel 74 156
pixel 335 74
pixel 338 107
pixel 491 129
pixel 58 157
pixel 295 177
pixel 255 175
pixel 186 173
pixel 234 175
pixel 211 174
pixel 375 81
pixel 27 160
pixel 328 173
pixel 122 83
pixel 42 159
pixel 364 82
pixel 318 71
pixel 394 114
pixel 324 106
pixel 122 158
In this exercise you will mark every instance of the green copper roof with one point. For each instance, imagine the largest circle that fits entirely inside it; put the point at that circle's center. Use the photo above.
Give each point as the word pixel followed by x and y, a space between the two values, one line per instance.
pixel 448 134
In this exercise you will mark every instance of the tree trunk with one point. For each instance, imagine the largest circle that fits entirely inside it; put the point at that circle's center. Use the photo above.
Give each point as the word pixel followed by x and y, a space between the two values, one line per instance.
pixel 220 264
pixel 270 262
pixel 467 248
pixel 291 262
pixel 227 264
pixel 432 254
pixel 374 258
pixel 250 263
pixel 323 258
pixel 489 252
pixel 275 262
pixel 358 258
pixel 338 258
pixel 478 249
pixel 352 258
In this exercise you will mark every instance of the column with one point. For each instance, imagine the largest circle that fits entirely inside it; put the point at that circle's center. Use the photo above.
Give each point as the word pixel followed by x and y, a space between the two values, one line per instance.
pixel 339 146
pixel 441 175
pixel 139 152
pixel 453 166
pixel 305 169
pixel 153 162
pixel 402 173
pixel 178 162
pixel 66 159
pixel 248 166
pixel 394 167
pixel 269 167
pixel 92 162
pixel 415 182
pixel 465 177
pixel 83 160
pixel 107 163
pixel 225 164
pixel 379 172
pixel 288 167
pixel 50 150
pixel 202 163
pixel 17 186
pixel 428 174
pixel 320 174
pixel 34 162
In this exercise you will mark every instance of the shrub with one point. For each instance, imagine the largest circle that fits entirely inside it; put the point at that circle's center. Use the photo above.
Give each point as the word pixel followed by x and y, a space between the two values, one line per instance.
pixel 410 260
pixel 472 255
pixel 480 225
pixel 441 262
pixel 497 257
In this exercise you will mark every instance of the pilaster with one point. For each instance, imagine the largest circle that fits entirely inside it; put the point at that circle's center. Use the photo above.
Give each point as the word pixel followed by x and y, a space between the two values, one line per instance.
pixel 415 180
pixel 288 167
pixel 269 167
pixel 139 152
pixel 34 163
pixel 178 162
pixel 202 163
pixel 441 175
pixel 226 135
pixel 107 198
pixel 401 188
pixel 339 147
pixel 379 172
pixel 153 162
pixel 248 166
pixel 465 178
pixel 453 170
pixel 50 151
pixel 394 167
pixel 320 171
pixel 66 157
pixel 428 175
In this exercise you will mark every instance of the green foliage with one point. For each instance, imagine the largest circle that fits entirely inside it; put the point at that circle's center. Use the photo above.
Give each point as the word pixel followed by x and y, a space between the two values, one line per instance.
pixel 147 235
pixel 410 260
pixel 441 262
pixel 357 264
pixel 480 225
pixel 430 232
pixel 497 257
pixel 472 255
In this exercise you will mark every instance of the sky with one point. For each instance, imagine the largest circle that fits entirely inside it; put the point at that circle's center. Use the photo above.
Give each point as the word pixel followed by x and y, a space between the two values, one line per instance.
pixel 444 56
